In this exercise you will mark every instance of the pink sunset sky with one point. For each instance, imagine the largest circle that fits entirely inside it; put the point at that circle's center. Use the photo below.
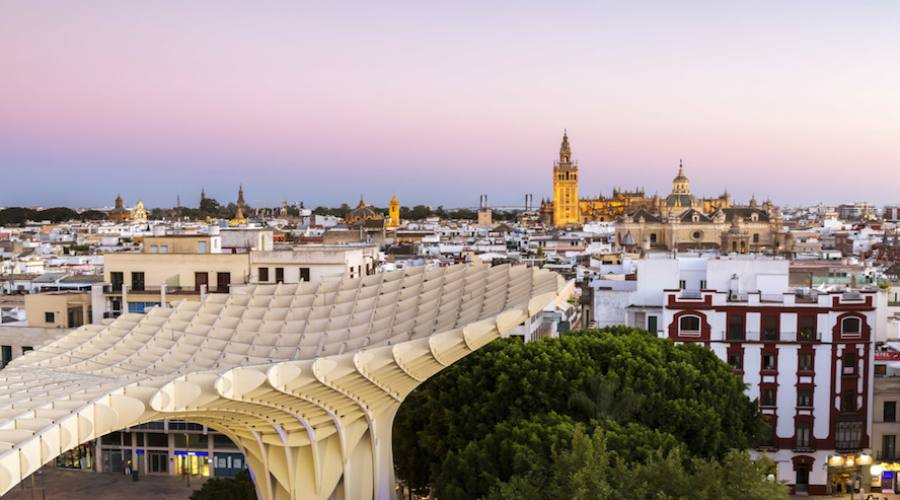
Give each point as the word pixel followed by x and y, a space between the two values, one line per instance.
pixel 440 102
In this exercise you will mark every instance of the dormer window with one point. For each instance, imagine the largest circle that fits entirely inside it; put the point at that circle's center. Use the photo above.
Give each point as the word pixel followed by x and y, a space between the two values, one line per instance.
pixel 696 218
pixel 754 217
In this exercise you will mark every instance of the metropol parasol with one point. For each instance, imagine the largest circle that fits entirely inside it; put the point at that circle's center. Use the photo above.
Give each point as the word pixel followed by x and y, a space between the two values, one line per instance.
pixel 305 378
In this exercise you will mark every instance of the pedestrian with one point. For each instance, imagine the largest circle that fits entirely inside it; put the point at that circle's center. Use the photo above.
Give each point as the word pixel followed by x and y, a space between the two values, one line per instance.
pixel 128 468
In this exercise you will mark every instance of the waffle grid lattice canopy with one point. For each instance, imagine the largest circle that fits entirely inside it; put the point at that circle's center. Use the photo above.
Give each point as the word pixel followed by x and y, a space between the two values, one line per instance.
pixel 305 379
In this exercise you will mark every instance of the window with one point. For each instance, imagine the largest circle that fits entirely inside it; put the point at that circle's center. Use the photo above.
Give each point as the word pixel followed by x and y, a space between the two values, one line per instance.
pixel 5 355
pixel 222 441
pixel 806 328
pixel 682 284
pixel 164 249
pixel 848 401
pixel 263 274
pixel 157 439
pixel 223 281
pixel 849 361
pixel 755 237
pixel 768 439
pixel 769 361
pixel 888 446
pixel 804 397
pixel 735 360
pixel 689 325
pixel 804 434
pixel 193 440
pixel 154 249
pixel 27 348
pixel 117 279
pixel 703 284
pixel 767 396
pixel 201 280
pixel 890 411
pixel 201 247
pixel 137 281
pixel 880 370
pixel 114 438
pixel 770 326
pixel 652 237
pixel 49 317
pixel 304 274
pixel 850 326
pixel 849 435
pixel 805 362
pixel 735 327
pixel 279 275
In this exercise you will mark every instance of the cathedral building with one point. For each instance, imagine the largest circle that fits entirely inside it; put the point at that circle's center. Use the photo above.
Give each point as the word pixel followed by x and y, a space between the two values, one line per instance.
pixel 681 200
pixel 680 221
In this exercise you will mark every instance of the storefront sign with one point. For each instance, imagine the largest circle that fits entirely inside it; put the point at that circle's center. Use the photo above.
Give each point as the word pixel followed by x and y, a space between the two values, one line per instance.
pixel 182 453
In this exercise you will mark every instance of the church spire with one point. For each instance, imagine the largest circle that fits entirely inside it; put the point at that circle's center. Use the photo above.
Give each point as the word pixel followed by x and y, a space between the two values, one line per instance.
pixel 239 214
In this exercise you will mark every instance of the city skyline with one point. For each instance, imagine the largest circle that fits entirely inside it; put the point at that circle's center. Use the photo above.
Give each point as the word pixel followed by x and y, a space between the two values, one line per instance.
pixel 440 104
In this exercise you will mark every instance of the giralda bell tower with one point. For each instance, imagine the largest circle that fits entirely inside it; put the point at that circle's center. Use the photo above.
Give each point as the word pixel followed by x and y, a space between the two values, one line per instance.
pixel 565 187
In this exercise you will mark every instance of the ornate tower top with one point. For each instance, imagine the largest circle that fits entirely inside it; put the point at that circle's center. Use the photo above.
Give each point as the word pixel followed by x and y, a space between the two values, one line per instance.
pixel 565 151
pixel 202 194
pixel 120 203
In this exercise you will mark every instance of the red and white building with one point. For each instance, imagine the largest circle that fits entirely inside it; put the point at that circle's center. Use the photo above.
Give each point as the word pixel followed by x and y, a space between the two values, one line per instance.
pixel 806 356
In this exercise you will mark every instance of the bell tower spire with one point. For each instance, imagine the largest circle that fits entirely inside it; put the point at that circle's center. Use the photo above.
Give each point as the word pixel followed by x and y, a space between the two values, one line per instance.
pixel 565 150
pixel 239 217
pixel 566 209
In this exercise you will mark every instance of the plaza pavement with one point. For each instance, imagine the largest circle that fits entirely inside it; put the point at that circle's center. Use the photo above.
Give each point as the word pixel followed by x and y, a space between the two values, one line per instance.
pixel 61 484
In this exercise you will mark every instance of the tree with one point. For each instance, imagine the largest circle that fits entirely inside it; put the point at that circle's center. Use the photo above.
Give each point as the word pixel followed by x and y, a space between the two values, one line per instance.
pixel 645 394
pixel 210 206
pixel 586 470
pixel 239 487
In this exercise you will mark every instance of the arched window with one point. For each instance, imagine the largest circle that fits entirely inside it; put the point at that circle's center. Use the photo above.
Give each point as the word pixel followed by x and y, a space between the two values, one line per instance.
pixel 851 326
pixel 689 325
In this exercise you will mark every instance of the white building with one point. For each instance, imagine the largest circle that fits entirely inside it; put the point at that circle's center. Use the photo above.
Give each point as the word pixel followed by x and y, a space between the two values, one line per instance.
pixel 805 356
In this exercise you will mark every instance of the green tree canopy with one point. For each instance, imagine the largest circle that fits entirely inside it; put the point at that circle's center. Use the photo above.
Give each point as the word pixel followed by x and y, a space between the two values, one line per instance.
pixel 482 421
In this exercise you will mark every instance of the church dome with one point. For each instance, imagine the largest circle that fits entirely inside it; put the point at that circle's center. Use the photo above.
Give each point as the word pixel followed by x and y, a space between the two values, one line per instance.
pixel 361 213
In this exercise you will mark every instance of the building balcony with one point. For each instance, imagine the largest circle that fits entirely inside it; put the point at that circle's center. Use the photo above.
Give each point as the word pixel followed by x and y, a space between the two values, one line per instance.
pixel 848 446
